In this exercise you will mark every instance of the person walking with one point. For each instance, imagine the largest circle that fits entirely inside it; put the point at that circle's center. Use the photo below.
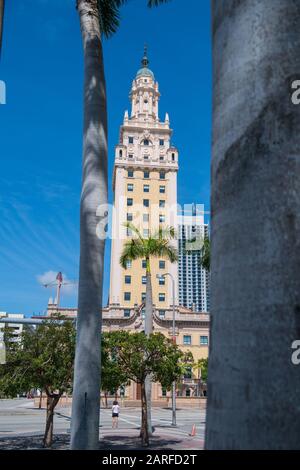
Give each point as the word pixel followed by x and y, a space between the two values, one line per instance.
pixel 115 414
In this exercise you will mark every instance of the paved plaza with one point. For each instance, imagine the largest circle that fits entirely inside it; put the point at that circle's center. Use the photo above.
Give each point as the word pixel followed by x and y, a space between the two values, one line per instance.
pixel 22 425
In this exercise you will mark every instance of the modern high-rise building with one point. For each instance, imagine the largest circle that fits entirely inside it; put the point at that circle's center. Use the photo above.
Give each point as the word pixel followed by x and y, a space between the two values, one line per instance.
pixel 193 279
pixel 145 193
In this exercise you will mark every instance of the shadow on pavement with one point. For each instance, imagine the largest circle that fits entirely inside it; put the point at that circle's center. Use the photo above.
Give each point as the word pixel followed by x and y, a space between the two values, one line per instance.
pixel 108 442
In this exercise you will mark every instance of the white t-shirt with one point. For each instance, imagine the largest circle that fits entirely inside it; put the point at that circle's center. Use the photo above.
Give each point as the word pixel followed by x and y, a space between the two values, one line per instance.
pixel 115 408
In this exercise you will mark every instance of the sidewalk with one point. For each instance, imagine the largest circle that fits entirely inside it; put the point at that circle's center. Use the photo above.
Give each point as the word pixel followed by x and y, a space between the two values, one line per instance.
pixel 118 439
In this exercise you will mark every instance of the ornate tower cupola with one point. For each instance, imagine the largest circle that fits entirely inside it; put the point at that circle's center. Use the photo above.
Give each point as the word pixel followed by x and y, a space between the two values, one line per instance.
pixel 144 93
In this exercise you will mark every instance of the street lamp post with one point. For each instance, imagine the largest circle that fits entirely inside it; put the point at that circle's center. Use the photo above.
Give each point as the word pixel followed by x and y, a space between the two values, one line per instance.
pixel 174 340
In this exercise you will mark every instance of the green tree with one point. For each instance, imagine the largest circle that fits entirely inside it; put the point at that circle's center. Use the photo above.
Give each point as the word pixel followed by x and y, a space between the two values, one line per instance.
pixel 98 18
pixel 112 375
pixel 43 359
pixel 201 366
pixel 139 356
pixel 205 254
pixel 157 245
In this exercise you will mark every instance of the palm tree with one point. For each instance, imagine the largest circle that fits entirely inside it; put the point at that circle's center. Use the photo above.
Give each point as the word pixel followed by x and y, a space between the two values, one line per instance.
pixel 253 387
pixel 97 18
pixel 2 4
pixel 156 245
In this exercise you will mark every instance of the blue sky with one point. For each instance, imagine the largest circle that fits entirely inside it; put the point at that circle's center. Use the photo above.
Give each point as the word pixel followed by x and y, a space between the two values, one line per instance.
pixel 41 127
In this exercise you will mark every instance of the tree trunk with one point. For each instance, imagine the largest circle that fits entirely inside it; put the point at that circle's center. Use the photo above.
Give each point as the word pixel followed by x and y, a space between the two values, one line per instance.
pixel 40 400
pixel 253 387
pixel 86 395
pixel 144 426
pixel 2 4
pixel 105 397
pixel 51 404
pixel 148 332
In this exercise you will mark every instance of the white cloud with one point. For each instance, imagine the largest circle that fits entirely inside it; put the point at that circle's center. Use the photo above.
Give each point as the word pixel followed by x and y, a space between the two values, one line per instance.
pixel 49 277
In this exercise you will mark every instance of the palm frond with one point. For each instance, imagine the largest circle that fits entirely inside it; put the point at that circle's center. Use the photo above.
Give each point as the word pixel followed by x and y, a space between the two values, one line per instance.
pixel 109 16
pixel 132 250
pixel 162 249
pixel 156 3
pixel 164 232
pixel 134 229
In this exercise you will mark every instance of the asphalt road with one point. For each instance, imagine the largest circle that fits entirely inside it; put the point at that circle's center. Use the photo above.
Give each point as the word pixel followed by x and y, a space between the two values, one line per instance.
pixel 19 417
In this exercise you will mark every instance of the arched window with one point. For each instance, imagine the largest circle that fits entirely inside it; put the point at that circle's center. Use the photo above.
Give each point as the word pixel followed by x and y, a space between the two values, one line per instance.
pixel 120 153
pixel 146 142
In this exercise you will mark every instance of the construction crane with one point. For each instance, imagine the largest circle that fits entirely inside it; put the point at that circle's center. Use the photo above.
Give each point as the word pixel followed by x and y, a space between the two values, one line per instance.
pixel 59 282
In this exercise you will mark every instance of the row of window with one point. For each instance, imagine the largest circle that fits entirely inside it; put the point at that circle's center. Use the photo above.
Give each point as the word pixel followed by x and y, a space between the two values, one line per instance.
pixel 146 173
pixel 146 141
pixel 146 202
pixel 127 313
pixel 161 264
pixel 146 188
pixel 161 280
pixel 161 296
pixel 161 204
pixel 187 340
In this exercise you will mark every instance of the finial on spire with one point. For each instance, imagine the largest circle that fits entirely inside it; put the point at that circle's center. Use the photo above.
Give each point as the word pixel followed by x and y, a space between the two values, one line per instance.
pixel 145 60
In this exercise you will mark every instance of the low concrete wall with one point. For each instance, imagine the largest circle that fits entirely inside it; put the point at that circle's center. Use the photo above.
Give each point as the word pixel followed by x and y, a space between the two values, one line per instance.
pixel 181 402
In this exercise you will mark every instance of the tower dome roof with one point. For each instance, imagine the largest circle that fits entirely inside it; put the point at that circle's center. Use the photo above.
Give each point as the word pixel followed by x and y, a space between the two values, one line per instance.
pixel 145 71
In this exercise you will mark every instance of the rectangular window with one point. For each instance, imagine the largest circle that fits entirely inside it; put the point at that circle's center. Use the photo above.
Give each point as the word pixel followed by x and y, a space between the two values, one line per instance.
pixel 144 280
pixel 129 217
pixel 146 157
pixel 161 297
pixel 144 264
pixel 162 189
pixel 126 312
pixel 162 313
pixel 130 156
pixel 161 158
pixel 130 173
pixel 145 217
pixel 129 232
pixel 173 157
pixel 146 175
pixel 130 187
pixel 128 264
pixel 162 218
pixel 143 296
pixel 162 175
pixel 127 279
pixel 161 281
pixel 146 188
pixel 187 339
pixel 161 142
pixel 129 201
pixel 145 202
pixel 127 296
pixel 162 203
pixel 204 340
pixel 162 264
pixel 146 232
pixel 130 139
pixel 163 392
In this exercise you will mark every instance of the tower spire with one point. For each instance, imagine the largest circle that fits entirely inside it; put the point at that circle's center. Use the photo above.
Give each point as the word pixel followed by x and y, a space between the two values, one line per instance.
pixel 145 60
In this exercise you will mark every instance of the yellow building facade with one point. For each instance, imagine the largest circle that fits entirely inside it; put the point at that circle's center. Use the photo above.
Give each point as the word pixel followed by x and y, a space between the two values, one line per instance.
pixel 145 193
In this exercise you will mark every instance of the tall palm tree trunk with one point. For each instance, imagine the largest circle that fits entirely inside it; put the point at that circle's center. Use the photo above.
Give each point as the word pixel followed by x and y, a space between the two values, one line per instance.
pixel 86 395
pixel 148 332
pixel 253 387
pixel 2 4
